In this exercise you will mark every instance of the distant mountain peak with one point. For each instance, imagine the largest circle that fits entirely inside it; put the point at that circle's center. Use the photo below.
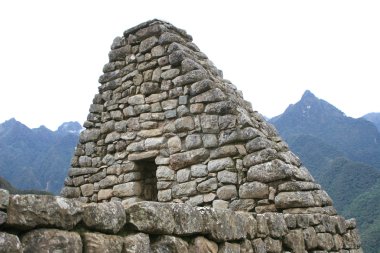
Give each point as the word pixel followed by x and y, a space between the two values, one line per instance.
pixel 308 95
pixel 71 127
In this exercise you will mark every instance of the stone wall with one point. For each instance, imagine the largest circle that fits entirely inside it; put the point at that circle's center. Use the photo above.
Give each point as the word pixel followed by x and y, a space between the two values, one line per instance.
pixel 167 127
pixel 33 223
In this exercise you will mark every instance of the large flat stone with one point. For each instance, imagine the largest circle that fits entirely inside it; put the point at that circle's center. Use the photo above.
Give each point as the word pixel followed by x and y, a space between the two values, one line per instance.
pixel 29 211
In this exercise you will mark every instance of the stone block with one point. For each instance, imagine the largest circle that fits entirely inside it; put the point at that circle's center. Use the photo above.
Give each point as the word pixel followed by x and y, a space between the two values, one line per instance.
pixel 96 242
pixel 10 243
pixel 106 217
pixel 185 159
pixel 208 185
pixel 183 175
pixel 51 240
pixel 285 200
pixel 127 189
pixel 29 211
pixel 227 177
pixel 220 164
pixel 184 124
pixel 137 243
pixel 165 242
pixel 201 244
pixel 295 241
pixel 3 217
pixel 185 189
pixel 227 192
pixel 268 172
pixel 199 170
pixel 165 173
pixel 87 190
pixel 253 190
pixel 193 141
pixel 4 199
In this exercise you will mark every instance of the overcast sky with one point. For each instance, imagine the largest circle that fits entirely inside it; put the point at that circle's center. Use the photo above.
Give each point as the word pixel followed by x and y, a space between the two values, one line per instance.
pixel 52 52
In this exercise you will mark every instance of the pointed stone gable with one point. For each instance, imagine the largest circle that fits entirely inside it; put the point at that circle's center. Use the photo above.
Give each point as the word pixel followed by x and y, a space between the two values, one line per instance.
pixel 165 126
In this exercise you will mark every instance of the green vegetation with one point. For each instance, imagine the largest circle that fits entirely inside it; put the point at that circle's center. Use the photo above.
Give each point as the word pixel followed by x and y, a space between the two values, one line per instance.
pixel 343 155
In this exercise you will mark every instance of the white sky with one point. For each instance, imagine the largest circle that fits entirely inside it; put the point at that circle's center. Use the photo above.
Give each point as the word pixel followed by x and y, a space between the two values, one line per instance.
pixel 52 52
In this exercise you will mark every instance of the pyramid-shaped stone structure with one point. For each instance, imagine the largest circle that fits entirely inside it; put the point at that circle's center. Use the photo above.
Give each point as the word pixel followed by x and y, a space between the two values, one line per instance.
pixel 167 127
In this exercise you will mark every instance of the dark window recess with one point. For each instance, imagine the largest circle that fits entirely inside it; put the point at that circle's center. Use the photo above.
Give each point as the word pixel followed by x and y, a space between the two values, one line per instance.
pixel 148 170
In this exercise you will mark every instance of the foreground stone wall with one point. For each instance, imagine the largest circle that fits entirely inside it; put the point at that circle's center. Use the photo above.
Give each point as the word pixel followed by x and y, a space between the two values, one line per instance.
pixel 34 223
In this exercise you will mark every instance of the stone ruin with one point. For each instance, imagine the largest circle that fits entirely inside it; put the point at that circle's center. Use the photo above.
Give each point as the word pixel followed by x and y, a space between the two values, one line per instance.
pixel 173 159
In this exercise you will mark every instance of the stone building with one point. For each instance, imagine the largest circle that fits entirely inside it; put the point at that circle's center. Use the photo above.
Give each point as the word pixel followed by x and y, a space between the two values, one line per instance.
pixel 166 128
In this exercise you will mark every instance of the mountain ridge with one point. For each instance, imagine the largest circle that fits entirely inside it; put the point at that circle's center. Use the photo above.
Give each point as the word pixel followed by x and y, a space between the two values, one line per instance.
pixel 36 158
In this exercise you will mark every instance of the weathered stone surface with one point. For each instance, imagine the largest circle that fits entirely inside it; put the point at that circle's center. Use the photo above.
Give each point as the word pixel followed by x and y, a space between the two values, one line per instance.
pixel 229 248
pixel 199 170
pixel 147 44
pixel 137 243
pixel 174 144
pixel 213 95
pixel 169 244
pixel 151 217
pixel 193 141
pixel 325 241
pixel 51 240
pixel 295 241
pixel 272 245
pixel 4 199
pixel 227 192
pixel 259 157
pixel 208 185
pixel 201 86
pixel 165 173
pixel 276 224
pixel 3 217
pixel 258 246
pixel 268 172
pixel 294 199
pixel 184 124
pixel 298 186
pixel 181 160
pixel 227 177
pixel 105 217
pixel 202 245
pixel 99 243
pixel 220 164
pixel 253 190
pixel 221 108
pixel 185 189
pixel 89 135
pixel 9 243
pixel 143 155
pixel 127 189
pixel 29 211
pixel 310 236
pixel 190 77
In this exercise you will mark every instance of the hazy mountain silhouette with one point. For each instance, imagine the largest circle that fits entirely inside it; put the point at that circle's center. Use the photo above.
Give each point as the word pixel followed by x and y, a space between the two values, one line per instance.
pixel 36 158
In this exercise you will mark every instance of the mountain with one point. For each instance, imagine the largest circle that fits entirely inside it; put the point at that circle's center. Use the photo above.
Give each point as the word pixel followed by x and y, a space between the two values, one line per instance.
pixel 36 158
pixel 358 139
pixel 342 154
pixel 374 117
